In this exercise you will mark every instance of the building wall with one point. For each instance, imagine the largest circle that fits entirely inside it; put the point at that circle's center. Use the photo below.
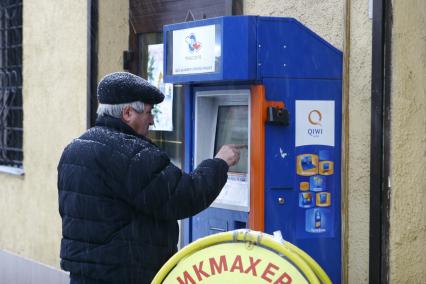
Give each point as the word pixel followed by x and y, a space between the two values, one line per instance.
pixel 54 95
pixel 408 144
pixel 55 62
pixel 358 175
pixel 113 35
pixel 327 18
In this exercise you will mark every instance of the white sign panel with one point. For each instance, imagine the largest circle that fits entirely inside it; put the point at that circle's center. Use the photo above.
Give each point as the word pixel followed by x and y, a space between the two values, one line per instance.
pixel 194 50
pixel 314 123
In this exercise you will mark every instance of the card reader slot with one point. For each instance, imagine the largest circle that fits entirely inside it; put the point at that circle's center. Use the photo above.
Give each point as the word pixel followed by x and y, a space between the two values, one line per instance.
pixel 217 229
pixel 281 188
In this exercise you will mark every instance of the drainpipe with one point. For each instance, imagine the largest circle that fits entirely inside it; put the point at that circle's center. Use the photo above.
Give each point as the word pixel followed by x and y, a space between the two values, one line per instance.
pixel 345 140
pixel 92 61
pixel 380 186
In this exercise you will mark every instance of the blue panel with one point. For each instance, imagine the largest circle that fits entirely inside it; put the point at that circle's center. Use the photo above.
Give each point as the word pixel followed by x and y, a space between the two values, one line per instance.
pixel 186 225
pixel 298 217
pixel 239 48
pixel 294 51
pixel 188 128
pixel 216 220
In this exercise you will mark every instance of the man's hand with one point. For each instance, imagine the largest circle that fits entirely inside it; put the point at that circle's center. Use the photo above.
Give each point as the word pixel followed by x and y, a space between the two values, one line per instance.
pixel 230 153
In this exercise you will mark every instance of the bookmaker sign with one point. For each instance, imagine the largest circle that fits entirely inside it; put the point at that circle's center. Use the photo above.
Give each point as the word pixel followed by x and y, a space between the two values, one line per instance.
pixel 235 263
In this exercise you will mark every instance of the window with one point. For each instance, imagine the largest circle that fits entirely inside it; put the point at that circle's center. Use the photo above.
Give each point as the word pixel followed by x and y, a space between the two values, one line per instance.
pixel 170 141
pixel 11 114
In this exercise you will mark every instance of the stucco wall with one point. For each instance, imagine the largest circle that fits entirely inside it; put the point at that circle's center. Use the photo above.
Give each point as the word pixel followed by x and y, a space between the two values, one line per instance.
pixel 55 102
pixel 408 146
pixel 359 143
pixel 113 35
pixel 54 95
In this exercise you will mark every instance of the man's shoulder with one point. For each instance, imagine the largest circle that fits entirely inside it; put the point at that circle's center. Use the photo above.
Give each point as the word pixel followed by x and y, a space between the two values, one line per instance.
pixel 125 143
pixel 114 144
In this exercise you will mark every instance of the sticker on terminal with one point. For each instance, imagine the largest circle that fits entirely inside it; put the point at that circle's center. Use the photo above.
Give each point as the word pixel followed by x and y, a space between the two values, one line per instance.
pixel 307 164
pixel 306 200
pixel 326 168
pixel 317 220
pixel 304 186
pixel 323 199
pixel 317 183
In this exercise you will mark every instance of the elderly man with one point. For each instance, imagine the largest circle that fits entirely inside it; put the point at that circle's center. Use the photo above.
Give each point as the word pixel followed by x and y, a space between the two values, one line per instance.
pixel 120 196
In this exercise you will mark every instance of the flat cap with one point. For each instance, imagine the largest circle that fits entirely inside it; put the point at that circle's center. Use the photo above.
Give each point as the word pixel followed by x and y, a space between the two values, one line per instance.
pixel 124 87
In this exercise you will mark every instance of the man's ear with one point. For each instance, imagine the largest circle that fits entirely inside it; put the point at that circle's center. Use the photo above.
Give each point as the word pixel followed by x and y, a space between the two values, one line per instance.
pixel 127 114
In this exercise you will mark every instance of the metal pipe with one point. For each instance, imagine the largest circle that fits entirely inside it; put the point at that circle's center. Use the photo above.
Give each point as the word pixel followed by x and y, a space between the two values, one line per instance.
pixel 92 61
pixel 380 143
pixel 345 140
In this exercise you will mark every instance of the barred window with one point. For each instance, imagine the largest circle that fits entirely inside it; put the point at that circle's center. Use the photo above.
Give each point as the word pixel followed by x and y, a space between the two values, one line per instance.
pixel 11 114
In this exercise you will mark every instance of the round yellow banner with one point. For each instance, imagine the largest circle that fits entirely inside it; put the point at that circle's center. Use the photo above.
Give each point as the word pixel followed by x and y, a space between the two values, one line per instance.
pixel 235 262
pixel 241 256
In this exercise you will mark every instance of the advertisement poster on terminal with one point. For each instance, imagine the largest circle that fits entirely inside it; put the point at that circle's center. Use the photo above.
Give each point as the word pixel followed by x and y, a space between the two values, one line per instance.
pixel 194 50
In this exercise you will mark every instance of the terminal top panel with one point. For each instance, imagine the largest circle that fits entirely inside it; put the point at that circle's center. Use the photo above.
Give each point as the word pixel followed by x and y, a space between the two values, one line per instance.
pixel 247 48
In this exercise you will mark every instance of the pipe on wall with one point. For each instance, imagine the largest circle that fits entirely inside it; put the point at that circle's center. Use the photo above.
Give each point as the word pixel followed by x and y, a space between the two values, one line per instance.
pixel 380 187
pixel 345 140
pixel 92 61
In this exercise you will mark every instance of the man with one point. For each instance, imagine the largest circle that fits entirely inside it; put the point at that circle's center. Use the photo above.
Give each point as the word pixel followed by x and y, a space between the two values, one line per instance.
pixel 120 196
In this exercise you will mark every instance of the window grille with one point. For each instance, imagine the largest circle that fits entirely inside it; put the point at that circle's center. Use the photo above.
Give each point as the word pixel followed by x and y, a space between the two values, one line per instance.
pixel 11 114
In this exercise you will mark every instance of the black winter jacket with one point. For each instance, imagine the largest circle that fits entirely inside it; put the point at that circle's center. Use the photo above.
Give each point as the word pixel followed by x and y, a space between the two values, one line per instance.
pixel 120 198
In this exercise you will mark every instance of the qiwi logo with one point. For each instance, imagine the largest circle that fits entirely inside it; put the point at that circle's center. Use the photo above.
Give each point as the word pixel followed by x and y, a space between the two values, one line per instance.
pixel 193 44
pixel 315 118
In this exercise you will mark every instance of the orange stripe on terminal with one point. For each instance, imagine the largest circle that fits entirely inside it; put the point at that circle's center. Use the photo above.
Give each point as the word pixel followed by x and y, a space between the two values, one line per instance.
pixel 259 106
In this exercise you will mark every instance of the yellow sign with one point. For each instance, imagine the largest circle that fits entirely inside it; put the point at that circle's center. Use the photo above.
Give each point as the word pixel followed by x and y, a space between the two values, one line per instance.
pixel 241 256
pixel 235 263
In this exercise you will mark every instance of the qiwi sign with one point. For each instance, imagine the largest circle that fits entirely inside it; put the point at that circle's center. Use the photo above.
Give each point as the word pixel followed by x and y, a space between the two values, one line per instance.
pixel 314 123
pixel 314 118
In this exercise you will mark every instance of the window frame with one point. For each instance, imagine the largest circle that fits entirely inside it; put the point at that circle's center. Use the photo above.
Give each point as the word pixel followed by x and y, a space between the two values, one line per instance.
pixel 11 97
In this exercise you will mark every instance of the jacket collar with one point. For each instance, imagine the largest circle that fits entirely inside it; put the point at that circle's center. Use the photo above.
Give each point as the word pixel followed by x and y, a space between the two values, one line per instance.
pixel 118 125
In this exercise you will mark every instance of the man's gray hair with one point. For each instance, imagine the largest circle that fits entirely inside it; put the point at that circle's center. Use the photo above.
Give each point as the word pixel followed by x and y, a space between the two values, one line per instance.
pixel 117 110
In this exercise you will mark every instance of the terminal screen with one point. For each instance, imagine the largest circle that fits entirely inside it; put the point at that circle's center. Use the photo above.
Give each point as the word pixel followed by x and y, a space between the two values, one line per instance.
pixel 232 128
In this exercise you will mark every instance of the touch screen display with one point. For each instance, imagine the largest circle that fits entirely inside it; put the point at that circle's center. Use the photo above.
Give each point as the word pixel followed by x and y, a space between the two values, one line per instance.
pixel 232 128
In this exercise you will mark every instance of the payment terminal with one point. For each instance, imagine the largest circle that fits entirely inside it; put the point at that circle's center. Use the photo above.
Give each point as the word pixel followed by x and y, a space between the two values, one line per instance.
pixel 275 86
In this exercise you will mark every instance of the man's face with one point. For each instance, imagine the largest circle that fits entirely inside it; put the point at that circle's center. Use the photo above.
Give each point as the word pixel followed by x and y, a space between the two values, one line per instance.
pixel 140 121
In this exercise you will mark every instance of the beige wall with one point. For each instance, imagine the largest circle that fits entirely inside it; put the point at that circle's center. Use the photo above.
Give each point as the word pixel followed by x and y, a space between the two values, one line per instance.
pixel 54 95
pixel 408 146
pixel 358 174
pixel 113 35
pixel 55 85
